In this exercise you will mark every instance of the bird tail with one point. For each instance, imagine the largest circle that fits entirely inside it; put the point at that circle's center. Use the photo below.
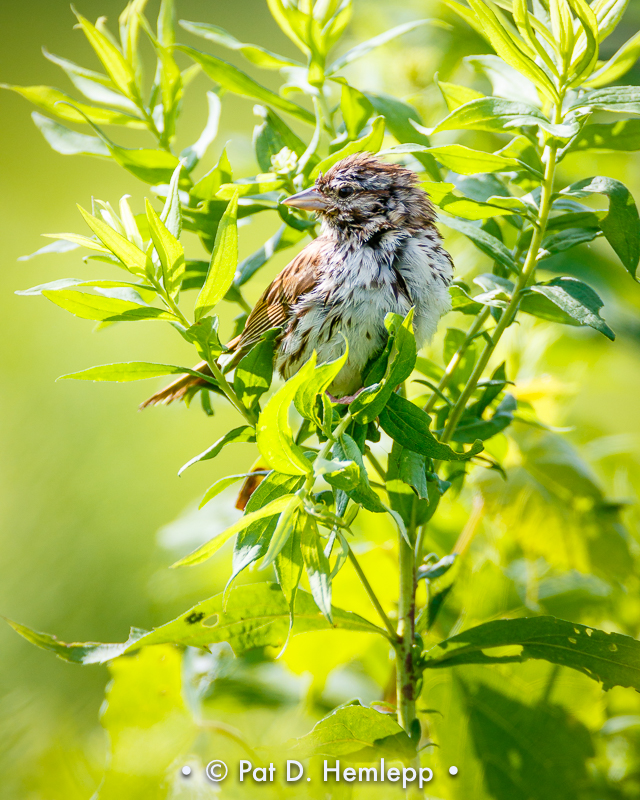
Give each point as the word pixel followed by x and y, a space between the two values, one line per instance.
pixel 178 389
pixel 181 388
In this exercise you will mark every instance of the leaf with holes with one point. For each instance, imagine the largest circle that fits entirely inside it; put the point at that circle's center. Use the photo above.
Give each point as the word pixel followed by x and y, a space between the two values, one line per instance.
pixel 612 658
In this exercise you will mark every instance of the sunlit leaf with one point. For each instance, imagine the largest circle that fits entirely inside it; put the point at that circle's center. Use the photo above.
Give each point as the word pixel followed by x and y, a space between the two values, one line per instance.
pixel 112 309
pixel 224 260
pixel 234 80
pixel 259 56
pixel 354 731
pixel 68 142
pixel 273 432
pixel 126 371
pixel 66 107
pixel 214 620
pixel 244 433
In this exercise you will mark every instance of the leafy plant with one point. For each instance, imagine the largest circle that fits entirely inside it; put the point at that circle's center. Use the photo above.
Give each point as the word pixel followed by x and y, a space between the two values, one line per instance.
pixel 323 471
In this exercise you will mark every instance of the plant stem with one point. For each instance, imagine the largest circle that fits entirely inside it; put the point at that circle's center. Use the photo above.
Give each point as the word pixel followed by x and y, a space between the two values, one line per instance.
pixel 405 672
pixel 521 284
pixel 372 596
pixel 479 321
pixel 231 396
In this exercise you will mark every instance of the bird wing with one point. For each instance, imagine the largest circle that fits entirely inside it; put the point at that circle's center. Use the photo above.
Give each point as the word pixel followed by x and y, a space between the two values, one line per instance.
pixel 273 309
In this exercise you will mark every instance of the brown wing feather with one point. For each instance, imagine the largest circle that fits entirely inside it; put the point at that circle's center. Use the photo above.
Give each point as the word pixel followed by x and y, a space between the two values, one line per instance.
pixel 271 311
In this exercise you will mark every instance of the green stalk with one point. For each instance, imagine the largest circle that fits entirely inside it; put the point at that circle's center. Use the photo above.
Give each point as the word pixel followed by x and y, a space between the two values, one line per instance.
pixel 372 596
pixel 525 276
pixel 405 672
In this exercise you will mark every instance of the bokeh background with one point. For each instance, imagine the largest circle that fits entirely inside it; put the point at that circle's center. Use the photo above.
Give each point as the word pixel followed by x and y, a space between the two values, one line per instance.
pixel 87 482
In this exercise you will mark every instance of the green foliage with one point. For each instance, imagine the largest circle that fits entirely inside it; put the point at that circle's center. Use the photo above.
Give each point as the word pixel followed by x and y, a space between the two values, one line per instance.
pixel 324 462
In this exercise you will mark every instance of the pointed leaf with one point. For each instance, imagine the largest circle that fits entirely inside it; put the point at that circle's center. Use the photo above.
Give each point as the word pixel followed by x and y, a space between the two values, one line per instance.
pixel 273 432
pixel 224 260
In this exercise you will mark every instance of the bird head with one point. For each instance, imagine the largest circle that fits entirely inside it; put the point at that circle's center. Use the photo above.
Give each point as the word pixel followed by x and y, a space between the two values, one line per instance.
pixel 362 196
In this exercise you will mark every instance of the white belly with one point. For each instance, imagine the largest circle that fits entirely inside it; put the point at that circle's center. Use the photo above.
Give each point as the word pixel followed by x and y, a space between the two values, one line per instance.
pixel 351 301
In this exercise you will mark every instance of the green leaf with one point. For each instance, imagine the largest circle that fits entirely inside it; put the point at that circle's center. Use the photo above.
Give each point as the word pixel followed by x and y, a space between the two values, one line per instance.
pixel 148 292
pixel 207 187
pixel 622 135
pixel 252 543
pixel 285 237
pixel 521 739
pixel 406 483
pixel 254 615
pixel 510 49
pixel 116 66
pixel 219 486
pixel 468 432
pixel 496 115
pixel 234 80
pixel 144 710
pixel 488 244
pixel 259 56
pixel 192 155
pixel 409 426
pixel 211 547
pixel 461 159
pixel 617 99
pixel 68 142
pixel 271 136
pixel 346 450
pixel 586 48
pixel 317 384
pixel 399 118
pixel 66 107
pixel 317 567
pixel 368 404
pixel 289 566
pixel 253 375
pixel 506 81
pixel 355 109
pixel 284 529
pixel 273 432
pixel 244 433
pixel 224 260
pixel 608 14
pixel 367 46
pixel 618 65
pixel 95 86
pixel 566 300
pixel 169 250
pixel 132 371
pixel 131 256
pixel 621 226
pixel 370 143
pixel 354 731
pixel 456 96
pixel 567 239
pixel 103 309
pixel 612 658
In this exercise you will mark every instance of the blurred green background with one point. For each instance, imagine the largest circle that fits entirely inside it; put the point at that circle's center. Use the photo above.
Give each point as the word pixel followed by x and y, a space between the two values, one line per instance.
pixel 87 481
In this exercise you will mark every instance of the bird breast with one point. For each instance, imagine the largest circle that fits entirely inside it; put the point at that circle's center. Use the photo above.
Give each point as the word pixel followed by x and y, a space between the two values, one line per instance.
pixel 357 287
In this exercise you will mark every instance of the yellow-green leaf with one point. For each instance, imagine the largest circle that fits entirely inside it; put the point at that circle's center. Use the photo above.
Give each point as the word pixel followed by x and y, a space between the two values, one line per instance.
pixel 273 432
pixel 224 260
pixel 131 256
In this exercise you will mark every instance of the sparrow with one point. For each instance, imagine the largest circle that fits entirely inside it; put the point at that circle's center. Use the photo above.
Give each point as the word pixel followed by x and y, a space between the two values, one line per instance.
pixel 378 251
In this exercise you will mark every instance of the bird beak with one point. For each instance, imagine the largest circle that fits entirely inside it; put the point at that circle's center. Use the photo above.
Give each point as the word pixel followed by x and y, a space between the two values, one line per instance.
pixel 309 200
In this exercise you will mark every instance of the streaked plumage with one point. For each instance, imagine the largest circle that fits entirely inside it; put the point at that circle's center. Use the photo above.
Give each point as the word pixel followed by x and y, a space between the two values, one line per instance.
pixel 378 251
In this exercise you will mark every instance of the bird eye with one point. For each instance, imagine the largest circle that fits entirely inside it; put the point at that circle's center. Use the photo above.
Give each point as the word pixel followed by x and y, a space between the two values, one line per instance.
pixel 345 191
